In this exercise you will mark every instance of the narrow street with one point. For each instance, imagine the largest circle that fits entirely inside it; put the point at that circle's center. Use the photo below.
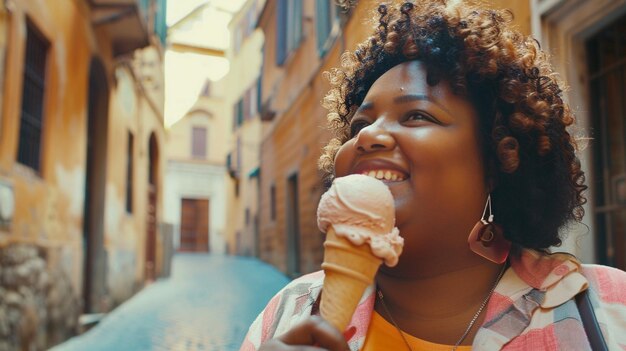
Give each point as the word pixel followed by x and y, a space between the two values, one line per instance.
pixel 207 304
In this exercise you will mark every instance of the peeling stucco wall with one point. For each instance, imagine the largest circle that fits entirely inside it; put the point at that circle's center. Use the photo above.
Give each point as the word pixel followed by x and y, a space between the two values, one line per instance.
pixel 44 235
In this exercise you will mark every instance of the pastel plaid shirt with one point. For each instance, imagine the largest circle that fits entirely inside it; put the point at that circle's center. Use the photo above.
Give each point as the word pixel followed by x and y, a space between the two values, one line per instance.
pixel 532 308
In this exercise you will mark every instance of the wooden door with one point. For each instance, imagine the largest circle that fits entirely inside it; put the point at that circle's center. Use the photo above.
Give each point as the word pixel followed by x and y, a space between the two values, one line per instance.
pixel 194 225
pixel 151 235
pixel 293 227
pixel 94 273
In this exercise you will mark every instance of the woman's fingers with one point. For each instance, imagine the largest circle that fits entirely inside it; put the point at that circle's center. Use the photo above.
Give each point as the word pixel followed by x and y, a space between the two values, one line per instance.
pixel 315 331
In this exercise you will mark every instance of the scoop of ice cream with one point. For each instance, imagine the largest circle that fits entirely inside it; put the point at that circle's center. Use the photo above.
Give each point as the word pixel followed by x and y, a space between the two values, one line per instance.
pixel 361 209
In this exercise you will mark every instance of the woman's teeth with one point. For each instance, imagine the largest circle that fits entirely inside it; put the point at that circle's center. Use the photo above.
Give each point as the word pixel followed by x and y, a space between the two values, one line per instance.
pixel 386 175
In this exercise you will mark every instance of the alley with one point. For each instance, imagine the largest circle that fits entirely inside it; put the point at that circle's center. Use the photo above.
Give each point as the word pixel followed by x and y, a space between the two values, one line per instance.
pixel 207 304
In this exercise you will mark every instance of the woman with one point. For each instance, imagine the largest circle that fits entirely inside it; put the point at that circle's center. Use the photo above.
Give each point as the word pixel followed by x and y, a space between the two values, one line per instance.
pixel 464 120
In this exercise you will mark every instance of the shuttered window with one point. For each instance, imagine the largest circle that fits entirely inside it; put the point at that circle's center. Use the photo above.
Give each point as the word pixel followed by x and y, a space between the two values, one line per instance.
pixel 129 172
pixel 198 142
pixel 326 17
pixel 259 94
pixel 273 202
pixel 281 32
pixel 31 119
pixel 288 28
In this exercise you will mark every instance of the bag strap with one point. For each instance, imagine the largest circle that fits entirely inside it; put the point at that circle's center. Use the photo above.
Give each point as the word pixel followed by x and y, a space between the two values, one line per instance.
pixel 590 323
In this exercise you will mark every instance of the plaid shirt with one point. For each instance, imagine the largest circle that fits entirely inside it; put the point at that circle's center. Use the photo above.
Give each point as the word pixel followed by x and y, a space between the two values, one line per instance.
pixel 532 308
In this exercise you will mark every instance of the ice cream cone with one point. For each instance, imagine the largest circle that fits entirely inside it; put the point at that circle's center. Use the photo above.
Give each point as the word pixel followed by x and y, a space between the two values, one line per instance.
pixel 349 270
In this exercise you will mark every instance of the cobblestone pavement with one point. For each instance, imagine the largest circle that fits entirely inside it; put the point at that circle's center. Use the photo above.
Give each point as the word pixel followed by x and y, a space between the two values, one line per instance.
pixel 207 304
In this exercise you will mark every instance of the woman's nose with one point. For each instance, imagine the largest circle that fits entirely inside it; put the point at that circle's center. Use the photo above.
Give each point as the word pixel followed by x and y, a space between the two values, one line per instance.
pixel 374 138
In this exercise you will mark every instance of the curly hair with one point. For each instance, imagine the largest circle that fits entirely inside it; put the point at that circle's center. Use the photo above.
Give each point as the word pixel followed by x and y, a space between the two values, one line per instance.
pixel 530 155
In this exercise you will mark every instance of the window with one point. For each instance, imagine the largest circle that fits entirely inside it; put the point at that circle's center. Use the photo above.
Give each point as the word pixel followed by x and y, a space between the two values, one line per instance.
pixel 326 16
pixel 250 102
pixel 198 142
pixel 238 36
pixel 238 154
pixel 31 119
pixel 238 112
pixel 206 89
pixel 129 172
pixel 259 89
pixel 293 226
pixel 160 25
pixel 273 203
pixel 289 28
pixel 606 53
pixel 247 107
pixel 245 27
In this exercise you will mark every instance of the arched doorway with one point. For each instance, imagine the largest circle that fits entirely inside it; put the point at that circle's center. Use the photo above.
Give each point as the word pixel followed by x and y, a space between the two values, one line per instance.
pixel 153 181
pixel 95 181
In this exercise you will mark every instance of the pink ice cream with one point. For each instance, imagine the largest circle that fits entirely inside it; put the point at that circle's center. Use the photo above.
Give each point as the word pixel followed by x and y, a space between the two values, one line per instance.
pixel 361 209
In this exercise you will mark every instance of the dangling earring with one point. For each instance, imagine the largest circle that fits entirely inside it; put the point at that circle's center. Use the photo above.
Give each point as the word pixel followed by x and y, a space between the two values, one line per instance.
pixel 487 240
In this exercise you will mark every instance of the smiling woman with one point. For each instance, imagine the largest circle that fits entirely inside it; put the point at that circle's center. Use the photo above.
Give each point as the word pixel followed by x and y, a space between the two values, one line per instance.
pixel 463 119
pixel 402 125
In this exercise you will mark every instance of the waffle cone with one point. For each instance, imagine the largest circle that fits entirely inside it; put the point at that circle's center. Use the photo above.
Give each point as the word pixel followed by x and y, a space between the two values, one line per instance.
pixel 348 269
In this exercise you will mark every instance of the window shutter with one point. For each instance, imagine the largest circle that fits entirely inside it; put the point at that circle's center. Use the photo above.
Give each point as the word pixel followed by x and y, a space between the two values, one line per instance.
pixel 240 112
pixel 259 91
pixel 31 118
pixel 198 142
pixel 246 105
pixel 322 16
pixel 281 32
pixel 253 103
pixel 129 172
pixel 297 23
pixel 160 26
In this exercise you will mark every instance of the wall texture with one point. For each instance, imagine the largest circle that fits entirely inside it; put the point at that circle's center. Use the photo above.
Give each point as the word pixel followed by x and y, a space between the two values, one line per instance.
pixel 43 258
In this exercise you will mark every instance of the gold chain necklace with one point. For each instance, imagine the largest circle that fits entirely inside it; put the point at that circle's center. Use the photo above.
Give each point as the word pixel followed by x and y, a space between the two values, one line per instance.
pixel 381 297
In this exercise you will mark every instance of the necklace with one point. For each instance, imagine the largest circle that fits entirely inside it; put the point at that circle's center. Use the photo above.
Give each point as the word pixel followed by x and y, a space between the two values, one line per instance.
pixel 381 297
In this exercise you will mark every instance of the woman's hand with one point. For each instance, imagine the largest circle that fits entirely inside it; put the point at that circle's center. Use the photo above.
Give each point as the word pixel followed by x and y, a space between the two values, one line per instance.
pixel 313 331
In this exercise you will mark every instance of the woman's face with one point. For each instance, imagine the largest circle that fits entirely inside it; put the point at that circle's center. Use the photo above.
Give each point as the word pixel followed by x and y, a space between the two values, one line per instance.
pixel 423 142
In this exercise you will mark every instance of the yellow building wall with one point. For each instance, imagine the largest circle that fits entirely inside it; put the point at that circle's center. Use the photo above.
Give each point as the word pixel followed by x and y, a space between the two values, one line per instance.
pixel 125 233
pixel 195 178
pixel 520 10
pixel 209 113
pixel 245 68
pixel 49 205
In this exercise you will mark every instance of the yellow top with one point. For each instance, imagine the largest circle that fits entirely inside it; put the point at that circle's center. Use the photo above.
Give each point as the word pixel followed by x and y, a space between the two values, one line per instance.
pixel 382 335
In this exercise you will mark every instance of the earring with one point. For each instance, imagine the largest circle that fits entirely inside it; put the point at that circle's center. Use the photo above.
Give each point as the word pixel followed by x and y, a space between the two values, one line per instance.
pixel 487 240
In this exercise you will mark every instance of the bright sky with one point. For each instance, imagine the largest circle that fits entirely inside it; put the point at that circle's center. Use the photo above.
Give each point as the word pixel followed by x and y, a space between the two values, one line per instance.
pixel 186 73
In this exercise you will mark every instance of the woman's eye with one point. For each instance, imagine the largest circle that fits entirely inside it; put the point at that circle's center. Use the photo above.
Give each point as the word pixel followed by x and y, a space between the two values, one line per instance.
pixel 417 116
pixel 356 126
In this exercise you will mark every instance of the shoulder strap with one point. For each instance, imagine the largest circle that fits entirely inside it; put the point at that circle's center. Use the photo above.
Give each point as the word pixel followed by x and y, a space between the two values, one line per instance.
pixel 590 323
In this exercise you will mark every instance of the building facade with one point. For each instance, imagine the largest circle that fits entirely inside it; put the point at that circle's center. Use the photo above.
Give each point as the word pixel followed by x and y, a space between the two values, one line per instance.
pixel 198 142
pixel 588 42
pixel 195 188
pixel 302 40
pixel 81 161
pixel 241 86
